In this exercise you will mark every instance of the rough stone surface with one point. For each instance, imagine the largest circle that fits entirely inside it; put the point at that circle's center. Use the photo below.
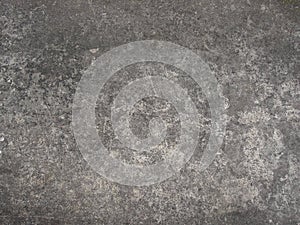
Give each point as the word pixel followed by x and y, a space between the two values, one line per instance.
pixel 252 47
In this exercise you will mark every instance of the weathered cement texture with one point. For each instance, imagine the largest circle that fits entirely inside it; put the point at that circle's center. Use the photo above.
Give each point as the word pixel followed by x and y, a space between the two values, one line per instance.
pixel 252 47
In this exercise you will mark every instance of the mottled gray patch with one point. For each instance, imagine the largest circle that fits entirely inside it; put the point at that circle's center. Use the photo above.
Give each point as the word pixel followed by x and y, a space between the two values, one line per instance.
pixel 97 75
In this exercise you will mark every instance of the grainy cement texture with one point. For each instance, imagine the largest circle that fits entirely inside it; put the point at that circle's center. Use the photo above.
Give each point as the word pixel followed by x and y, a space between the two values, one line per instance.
pixel 251 46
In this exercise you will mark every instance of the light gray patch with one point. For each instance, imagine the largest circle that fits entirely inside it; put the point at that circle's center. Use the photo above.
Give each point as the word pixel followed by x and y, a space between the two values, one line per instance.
pixel 84 126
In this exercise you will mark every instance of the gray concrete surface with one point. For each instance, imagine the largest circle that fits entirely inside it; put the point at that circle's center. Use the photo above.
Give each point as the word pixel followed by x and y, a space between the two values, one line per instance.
pixel 252 47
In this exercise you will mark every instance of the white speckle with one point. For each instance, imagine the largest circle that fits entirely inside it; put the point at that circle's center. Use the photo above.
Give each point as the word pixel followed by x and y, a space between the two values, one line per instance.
pixel 94 50
pixel 297 33
pixel 263 7
pixel 1 138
